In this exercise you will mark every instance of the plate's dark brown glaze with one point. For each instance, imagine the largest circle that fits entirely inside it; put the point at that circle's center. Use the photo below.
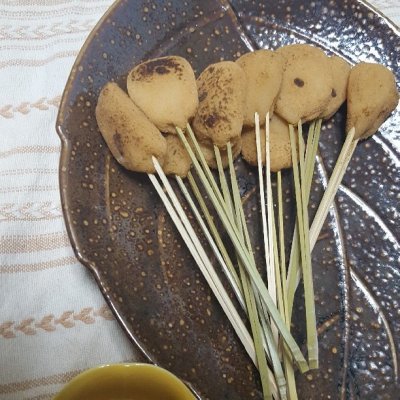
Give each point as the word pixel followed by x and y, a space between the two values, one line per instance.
pixel 120 230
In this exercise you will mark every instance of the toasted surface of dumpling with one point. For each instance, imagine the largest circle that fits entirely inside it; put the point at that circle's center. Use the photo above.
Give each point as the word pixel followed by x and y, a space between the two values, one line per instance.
pixel 306 84
pixel 130 136
pixel 340 73
pixel 177 160
pixel 264 70
pixel 165 89
pixel 219 117
pixel 280 150
pixel 371 96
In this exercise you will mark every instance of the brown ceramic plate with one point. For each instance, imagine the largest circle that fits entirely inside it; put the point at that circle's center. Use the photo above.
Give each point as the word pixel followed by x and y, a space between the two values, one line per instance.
pixel 120 230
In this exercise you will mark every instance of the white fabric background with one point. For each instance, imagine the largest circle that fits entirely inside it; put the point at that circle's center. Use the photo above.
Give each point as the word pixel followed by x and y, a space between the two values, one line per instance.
pixel 53 320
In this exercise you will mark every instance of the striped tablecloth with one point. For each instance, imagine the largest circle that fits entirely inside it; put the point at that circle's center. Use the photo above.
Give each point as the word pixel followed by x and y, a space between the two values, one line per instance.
pixel 53 320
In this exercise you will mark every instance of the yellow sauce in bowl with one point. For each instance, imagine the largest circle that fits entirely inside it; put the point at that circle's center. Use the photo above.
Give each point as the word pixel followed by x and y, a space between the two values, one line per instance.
pixel 125 382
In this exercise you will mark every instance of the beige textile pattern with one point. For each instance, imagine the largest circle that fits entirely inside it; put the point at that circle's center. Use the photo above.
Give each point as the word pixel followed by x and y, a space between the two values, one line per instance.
pixel 53 320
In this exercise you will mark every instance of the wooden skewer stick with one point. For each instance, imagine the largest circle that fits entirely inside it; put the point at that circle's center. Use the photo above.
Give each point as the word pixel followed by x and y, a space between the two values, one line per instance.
pixel 270 209
pixel 264 212
pixel 261 344
pixel 281 238
pixel 294 271
pixel 270 238
pixel 267 212
pixel 184 227
pixel 210 221
pixel 224 185
pixel 330 192
pixel 213 245
pixel 287 360
pixel 312 339
pixel 269 342
pixel 271 273
pixel 245 257
pixel 254 316
pixel 278 277
pixel 188 234
pixel 262 197
pixel 323 209
pixel 257 314
pixel 274 278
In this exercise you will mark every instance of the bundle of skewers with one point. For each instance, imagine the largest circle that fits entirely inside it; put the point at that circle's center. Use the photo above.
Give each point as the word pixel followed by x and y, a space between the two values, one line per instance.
pixel 171 125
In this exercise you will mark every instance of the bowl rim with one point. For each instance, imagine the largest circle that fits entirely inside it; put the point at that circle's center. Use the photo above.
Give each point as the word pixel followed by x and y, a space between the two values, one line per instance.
pixel 93 372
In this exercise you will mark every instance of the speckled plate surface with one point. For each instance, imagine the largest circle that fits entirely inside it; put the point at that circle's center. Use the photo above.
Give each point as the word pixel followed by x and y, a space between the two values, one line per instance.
pixel 120 230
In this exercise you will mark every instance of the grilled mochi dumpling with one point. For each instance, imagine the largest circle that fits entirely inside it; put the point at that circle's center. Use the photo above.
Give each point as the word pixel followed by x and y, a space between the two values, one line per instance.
pixel 177 161
pixel 219 117
pixel 371 96
pixel 280 149
pixel 131 137
pixel 165 89
pixel 306 84
pixel 340 74
pixel 264 70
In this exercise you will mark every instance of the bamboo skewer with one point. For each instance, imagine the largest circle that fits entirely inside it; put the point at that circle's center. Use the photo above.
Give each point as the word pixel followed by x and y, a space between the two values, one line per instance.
pixel 323 209
pixel 224 208
pixel 224 185
pixel 256 325
pixel 184 227
pixel 270 342
pixel 227 271
pixel 237 231
pixel 294 272
pixel 256 310
pixel 312 343
pixel 282 255
pixel 306 162
pixel 278 278
pixel 257 332
pixel 178 215
pixel 250 305
pixel 271 274
pixel 262 191
pixel 278 259
pixel 312 338
pixel 206 268
pixel 214 231
pixel 337 175
pixel 325 204
pixel 266 195
pixel 304 180
pixel 244 255
pixel 259 343
pixel 287 361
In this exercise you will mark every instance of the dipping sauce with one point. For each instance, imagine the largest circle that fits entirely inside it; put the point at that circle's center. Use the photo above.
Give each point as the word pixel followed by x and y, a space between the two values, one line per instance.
pixel 126 382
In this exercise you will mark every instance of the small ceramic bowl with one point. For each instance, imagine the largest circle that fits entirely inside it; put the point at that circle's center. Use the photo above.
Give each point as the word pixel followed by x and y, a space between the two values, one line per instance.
pixel 125 382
